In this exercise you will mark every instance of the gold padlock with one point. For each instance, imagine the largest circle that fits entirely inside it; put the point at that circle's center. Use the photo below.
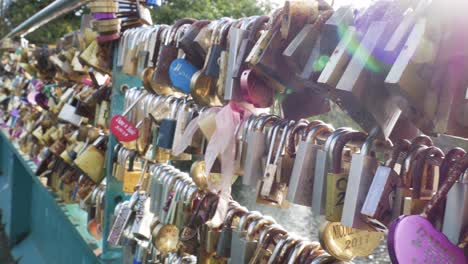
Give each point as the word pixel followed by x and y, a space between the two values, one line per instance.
pixel 92 160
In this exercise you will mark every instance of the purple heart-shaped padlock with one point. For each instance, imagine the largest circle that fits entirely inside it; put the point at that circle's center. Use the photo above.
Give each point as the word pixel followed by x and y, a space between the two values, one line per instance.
pixel 413 239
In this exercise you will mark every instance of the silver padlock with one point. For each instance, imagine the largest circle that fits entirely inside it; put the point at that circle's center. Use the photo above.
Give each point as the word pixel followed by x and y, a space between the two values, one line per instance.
pixel 256 148
pixel 236 35
pixel 361 174
pixel 302 177
pixel 456 210
pixel 237 245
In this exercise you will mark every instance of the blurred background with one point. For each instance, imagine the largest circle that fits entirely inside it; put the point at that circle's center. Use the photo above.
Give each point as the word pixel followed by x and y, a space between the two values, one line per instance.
pixel 13 12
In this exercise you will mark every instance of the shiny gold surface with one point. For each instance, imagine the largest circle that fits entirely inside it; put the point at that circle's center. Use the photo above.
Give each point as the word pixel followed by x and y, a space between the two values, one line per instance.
pixel 345 243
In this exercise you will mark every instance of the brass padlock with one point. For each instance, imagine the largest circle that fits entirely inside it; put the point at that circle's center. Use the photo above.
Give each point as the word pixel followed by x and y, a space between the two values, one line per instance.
pixel 91 161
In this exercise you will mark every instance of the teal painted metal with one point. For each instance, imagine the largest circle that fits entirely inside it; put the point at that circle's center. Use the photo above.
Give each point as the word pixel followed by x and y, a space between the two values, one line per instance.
pixel 35 223
pixel 46 15
pixel 114 193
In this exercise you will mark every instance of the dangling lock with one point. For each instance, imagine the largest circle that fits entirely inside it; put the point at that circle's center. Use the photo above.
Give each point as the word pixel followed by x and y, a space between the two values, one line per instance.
pixel 241 144
pixel 301 184
pixel 187 42
pixel 281 248
pixel 223 249
pixel 131 175
pixel 377 207
pixel 409 236
pixel 167 53
pixel 256 147
pixel 456 209
pixel 271 167
pixel 91 161
pixel 321 169
pixel 416 202
pixel 167 128
pixel 185 114
pixel 237 245
pixel 362 170
pixel 236 36
pixel 249 242
pixel 211 64
pixel 203 85
pixel 337 177
pixel 266 243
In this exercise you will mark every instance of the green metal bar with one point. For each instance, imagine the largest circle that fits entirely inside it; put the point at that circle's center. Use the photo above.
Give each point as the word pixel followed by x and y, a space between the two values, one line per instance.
pixel 49 13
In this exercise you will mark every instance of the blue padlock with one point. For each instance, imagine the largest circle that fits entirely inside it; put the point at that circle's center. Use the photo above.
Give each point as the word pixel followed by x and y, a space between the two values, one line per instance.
pixel 180 73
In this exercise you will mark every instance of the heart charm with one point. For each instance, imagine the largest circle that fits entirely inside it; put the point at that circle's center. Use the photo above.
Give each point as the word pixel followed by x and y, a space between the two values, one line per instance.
pixel 413 239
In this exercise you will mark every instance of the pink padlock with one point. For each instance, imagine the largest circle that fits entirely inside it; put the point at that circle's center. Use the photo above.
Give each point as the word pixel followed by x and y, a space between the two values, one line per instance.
pixel 255 90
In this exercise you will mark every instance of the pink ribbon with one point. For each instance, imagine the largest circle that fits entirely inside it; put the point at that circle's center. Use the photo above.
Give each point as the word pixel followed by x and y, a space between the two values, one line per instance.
pixel 190 131
pixel 223 144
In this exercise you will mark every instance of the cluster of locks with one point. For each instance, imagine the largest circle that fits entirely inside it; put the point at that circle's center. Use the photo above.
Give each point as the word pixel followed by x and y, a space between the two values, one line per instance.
pixel 229 101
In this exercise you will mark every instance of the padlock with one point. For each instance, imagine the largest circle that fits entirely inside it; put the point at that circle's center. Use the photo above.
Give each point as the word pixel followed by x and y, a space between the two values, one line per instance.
pixel 378 203
pixel 403 242
pixel 143 217
pixel 236 36
pixel 256 147
pixel 237 245
pixel 321 169
pixel 124 213
pixel 418 199
pixel 211 63
pixel 265 184
pixel 167 53
pixel 337 176
pixel 167 128
pixel 281 249
pixel 301 184
pixel 361 173
pixel 223 249
pixel 247 43
pixel 456 210
pixel 451 157
pixel 185 114
pixel 336 65
pixel 193 55
pixel 266 243
pixel 298 50
pixel 91 161
pixel 296 15
pixel 410 76
pixel 250 241
pixel 405 173
pixel 359 91
pixel 241 144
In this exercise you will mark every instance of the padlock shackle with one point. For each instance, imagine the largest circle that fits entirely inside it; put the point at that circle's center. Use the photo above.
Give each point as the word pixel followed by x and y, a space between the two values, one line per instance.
pixel 262 121
pixel 267 235
pixel 258 225
pixel 256 27
pixel 451 157
pixel 337 149
pixel 400 147
pixel 171 39
pixel 321 131
pixel 233 212
pixel 292 140
pixel 247 218
pixel 278 252
pixel 421 160
pixel 453 175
